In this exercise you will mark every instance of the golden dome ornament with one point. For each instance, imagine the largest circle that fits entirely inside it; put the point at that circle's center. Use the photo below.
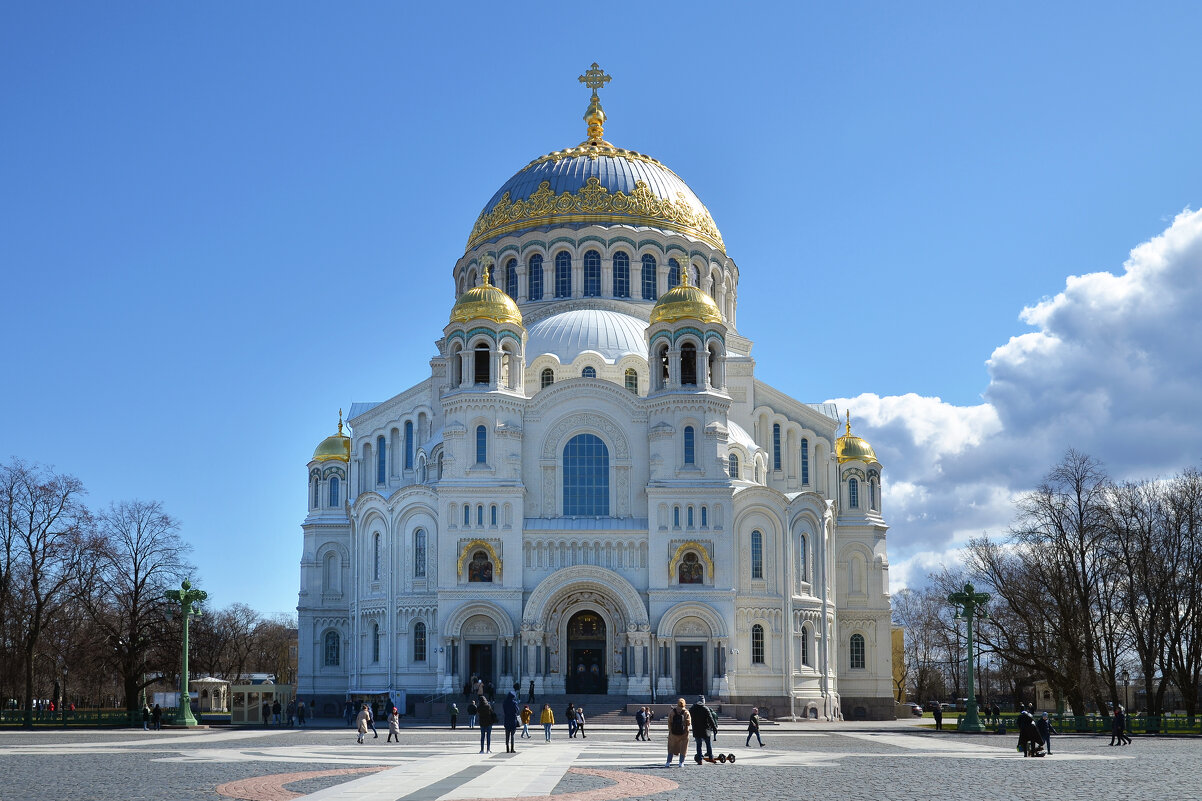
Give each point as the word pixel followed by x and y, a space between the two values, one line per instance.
pixel 685 302
pixel 335 447
pixel 849 447
pixel 485 302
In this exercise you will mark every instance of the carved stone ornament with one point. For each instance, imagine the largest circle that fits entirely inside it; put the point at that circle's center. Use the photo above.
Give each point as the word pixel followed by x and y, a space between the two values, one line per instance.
pixel 585 420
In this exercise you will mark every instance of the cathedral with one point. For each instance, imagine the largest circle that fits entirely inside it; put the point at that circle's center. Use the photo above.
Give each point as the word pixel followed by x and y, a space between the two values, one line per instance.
pixel 591 490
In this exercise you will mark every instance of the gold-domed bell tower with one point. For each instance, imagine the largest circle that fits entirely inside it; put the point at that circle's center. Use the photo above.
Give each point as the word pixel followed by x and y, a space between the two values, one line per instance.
pixel 328 472
pixel 859 475
pixel 686 341
pixel 484 343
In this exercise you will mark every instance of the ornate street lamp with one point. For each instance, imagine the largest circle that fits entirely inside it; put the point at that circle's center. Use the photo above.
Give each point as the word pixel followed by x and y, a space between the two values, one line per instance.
pixel 186 597
pixel 970 604
pixel 1126 677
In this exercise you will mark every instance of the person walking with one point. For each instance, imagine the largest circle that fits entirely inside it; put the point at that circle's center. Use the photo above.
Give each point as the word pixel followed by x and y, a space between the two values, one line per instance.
pixel 753 727
pixel 678 733
pixel 394 726
pixel 1046 730
pixel 510 709
pixel 703 724
pixel 530 693
pixel 569 715
pixel 300 714
pixel 547 718
pixel 526 715
pixel 145 717
pixel 156 717
pixel 938 713
pixel 371 721
pixel 1120 726
pixel 266 713
pixel 275 712
pixel 486 717
pixel 650 719
pixel 473 710
pixel 454 715
pixel 640 718
pixel 580 722
pixel 361 723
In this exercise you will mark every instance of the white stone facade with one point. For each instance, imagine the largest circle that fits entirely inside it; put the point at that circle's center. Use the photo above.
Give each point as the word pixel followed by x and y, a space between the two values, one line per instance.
pixel 477 480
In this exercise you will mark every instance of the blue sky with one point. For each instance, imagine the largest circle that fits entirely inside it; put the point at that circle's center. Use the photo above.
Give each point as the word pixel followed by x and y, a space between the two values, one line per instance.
pixel 221 222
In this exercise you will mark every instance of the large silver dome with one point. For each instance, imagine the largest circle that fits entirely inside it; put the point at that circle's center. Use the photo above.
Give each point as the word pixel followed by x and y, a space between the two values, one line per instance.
pixel 568 334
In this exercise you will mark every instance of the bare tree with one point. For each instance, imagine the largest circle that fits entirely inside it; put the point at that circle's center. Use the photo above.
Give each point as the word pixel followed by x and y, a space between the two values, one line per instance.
pixel 1183 524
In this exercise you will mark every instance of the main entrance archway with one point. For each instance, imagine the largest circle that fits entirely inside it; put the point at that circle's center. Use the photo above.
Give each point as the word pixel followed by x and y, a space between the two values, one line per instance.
pixel 586 654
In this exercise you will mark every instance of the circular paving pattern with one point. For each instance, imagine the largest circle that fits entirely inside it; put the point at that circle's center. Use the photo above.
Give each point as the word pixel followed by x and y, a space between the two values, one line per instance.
pixel 271 787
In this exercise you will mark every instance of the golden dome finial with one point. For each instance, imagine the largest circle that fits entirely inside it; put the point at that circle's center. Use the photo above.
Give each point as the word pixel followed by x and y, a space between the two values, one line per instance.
pixel 340 421
pixel 486 263
pixel 849 422
pixel 594 79
pixel 336 446
pixel 849 446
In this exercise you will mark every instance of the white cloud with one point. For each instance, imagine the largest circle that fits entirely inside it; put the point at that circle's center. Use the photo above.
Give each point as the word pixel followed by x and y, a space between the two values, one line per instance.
pixel 1114 369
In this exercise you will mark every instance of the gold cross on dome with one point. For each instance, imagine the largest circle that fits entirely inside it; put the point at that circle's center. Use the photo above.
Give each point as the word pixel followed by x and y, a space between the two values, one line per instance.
pixel 595 78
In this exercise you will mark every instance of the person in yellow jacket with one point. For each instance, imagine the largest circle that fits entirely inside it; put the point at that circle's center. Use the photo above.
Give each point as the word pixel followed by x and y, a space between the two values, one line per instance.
pixel 548 720
pixel 526 715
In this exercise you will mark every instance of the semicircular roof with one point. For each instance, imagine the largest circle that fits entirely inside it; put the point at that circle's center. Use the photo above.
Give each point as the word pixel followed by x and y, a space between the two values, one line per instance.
pixel 592 183
pixel 568 334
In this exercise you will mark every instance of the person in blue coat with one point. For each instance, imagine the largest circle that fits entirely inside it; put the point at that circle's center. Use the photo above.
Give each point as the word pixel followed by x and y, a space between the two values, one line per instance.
pixel 511 718
pixel 1046 730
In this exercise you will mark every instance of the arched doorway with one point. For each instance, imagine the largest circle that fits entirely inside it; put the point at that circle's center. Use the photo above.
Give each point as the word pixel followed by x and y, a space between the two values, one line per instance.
pixel 586 654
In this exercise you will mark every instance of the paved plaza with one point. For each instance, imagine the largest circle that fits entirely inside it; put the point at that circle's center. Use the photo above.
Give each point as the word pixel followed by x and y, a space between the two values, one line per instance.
pixel 800 761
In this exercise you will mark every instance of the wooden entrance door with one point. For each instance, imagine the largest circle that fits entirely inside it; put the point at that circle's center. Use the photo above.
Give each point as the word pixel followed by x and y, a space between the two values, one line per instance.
pixel 690 659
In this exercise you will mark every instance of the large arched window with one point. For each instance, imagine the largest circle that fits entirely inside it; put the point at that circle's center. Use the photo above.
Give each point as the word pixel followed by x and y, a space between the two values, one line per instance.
pixel 547 378
pixel 592 274
pixel 857 651
pixel 375 558
pixel 333 651
pixel 563 274
pixel 586 476
pixel 534 277
pixel 776 446
pixel 649 268
pixel 381 461
pixel 588 372
pixel 408 444
pixel 481 445
pixel 511 278
pixel 757 644
pixel 334 499
pixel 621 274
pixel 732 466
pixel 805 461
pixel 690 445
pixel 673 273
pixel 757 555
pixel 688 365
pixel 375 642
pixel 419 642
pixel 853 494
pixel 632 380
pixel 419 553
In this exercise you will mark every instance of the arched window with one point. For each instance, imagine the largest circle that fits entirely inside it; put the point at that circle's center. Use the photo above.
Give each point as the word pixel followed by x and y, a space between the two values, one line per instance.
pixel 757 644
pixel 704 517
pixel 592 274
pixel 440 465
pixel 479 514
pixel 776 446
pixel 853 493
pixel 332 649
pixel 547 378
pixel 563 274
pixel 481 445
pixel 688 364
pixel 419 553
pixel 632 380
pixel 375 558
pixel 467 514
pixel 534 277
pixel 673 273
pixel 871 494
pixel 375 642
pixel 511 278
pixel 621 275
pixel 408 444
pixel 482 364
pixel 803 566
pixel 676 516
pixel 732 465
pixel 381 461
pixel 690 446
pixel 857 652
pixel 492 515
pixel 588 372
pixel 689 517
pixel 649 268
pixel 334 499
pixel 757 555
pixel 805 461
pixel 691 571
pixel 419 642
pixel 586 476
pixel 805 646
pixel 479 570
pixel 316 493
pixel 330 576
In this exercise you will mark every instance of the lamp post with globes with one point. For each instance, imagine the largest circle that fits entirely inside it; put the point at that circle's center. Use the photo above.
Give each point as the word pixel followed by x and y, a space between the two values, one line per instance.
pixel 1126 677
pixel 969 604
pixel 185 600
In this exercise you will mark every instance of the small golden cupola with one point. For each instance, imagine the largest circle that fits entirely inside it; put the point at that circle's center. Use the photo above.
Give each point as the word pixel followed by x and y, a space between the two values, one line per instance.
pixel 685 302
pixel 849 447
pixel 485 302
pixel 335 447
